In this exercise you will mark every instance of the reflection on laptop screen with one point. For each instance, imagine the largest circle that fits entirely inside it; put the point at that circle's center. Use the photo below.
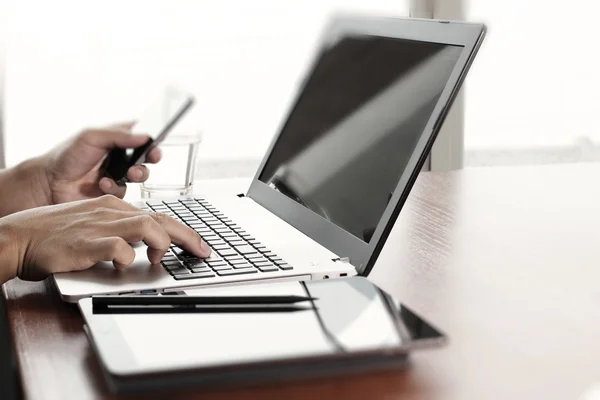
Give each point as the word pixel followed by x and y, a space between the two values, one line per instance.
pixel 355 126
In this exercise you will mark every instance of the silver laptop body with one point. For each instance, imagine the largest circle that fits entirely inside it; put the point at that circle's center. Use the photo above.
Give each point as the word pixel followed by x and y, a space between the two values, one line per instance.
pixel 337 174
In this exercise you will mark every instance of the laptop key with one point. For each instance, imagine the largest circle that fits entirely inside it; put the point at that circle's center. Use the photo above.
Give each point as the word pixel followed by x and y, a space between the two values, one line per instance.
pixel 242 266
pixel 170 268
pixel 217 263
pixel 180 271
pixel 195 263
pixel 196 223
pixel 177 250
pixel 239 260
pixel 285 267
pixel 183 254
pixel 263 264
pixel 171 263
pixel 195 270
pixel 210 236
pixel 221 267
pixel 215 225
pixel 195 276
pixel 215 242
pixel 227 252
pixel 268 268
pixel 237 272
pixel 245 249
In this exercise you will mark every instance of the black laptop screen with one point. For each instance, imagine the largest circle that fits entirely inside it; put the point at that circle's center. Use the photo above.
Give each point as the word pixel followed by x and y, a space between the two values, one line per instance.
pixel 355 126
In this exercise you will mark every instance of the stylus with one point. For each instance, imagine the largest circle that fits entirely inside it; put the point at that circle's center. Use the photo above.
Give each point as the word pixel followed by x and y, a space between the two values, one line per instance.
pixel 206 309
pixel 196 300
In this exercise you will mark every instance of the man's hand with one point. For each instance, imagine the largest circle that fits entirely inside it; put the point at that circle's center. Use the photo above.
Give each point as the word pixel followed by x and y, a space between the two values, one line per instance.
pixel 71 172
pixel 77 235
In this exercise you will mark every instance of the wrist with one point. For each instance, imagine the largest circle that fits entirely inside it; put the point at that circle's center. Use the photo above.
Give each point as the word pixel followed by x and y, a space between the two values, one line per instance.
pixel 10 259
pixel 35 180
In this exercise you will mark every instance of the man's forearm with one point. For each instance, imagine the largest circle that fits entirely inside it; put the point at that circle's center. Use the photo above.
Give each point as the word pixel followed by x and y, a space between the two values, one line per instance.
pixel 22 187
pixel 8 256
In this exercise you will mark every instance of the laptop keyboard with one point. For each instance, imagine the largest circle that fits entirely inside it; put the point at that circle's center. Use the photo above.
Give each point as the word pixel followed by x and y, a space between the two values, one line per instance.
pixel 234 251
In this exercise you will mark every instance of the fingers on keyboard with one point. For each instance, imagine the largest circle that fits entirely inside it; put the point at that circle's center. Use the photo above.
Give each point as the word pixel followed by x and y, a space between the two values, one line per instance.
pixel 235 252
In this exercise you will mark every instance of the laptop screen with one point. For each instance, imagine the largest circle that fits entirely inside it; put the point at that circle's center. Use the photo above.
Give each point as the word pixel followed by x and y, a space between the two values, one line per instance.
pixel 355 126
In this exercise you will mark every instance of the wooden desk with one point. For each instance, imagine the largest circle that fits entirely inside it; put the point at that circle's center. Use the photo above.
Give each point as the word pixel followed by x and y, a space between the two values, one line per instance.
pixel 506 261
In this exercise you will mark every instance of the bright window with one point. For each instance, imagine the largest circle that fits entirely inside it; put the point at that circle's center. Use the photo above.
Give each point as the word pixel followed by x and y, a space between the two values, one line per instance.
pixel 77 63
pixel 535 84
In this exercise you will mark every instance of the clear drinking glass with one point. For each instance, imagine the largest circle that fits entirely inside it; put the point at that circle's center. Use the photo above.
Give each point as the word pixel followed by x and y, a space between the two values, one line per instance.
pixel 174 175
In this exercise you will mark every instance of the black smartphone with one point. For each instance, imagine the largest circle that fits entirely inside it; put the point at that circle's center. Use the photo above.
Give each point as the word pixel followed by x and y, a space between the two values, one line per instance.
pixel 157 121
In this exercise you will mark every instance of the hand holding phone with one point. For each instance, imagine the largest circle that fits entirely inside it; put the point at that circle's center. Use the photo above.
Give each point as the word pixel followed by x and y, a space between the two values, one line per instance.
pixel 157 121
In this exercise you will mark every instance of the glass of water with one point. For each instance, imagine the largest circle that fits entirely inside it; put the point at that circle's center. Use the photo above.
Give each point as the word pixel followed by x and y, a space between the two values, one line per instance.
pixel 174 175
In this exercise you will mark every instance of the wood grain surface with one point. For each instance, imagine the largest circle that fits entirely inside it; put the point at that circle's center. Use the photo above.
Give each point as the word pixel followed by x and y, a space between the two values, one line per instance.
pixel 505 260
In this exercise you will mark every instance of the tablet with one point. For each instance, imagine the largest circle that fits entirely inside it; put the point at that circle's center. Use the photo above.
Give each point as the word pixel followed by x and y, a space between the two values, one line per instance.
pixel 351 326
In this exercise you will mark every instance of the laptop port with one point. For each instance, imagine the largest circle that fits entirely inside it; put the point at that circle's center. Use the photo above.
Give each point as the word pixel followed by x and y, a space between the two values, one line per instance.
pixel 325 276
pixel 344 274
pixel 150 291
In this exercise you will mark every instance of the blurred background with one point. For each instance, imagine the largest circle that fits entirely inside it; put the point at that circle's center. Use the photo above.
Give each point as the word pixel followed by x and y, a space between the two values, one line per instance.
pixel 531 97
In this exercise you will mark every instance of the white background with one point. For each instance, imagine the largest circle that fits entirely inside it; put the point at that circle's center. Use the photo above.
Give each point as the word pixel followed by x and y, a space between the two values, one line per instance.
pixel 532 94
pixel 536 81
pixel 74 63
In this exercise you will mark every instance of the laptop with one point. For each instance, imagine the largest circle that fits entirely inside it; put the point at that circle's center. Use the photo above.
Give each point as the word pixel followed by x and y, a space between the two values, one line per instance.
pixel 335 177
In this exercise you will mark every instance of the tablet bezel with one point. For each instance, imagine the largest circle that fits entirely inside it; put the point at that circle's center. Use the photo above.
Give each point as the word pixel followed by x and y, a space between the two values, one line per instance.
pixel 118 360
